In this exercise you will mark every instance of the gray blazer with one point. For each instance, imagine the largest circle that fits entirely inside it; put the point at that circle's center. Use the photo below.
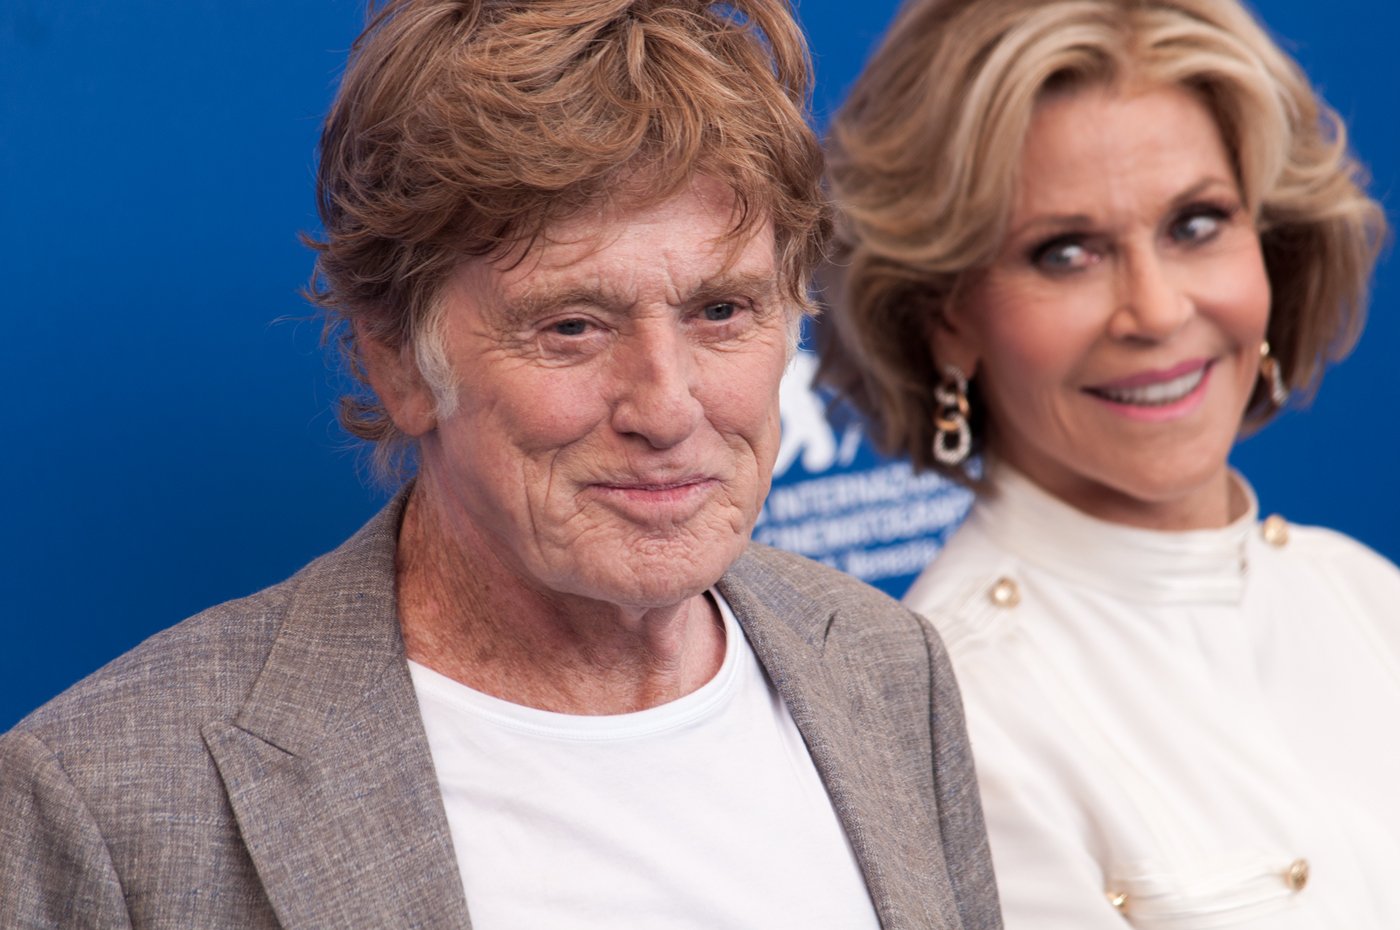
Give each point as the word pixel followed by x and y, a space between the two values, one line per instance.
pixel 263 764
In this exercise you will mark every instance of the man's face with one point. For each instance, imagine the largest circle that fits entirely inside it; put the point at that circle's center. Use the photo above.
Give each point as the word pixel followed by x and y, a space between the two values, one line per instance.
pixel 616 391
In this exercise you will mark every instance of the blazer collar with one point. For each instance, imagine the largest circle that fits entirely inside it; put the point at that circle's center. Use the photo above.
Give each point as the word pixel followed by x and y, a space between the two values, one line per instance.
pixel 803 644
pixel 327 767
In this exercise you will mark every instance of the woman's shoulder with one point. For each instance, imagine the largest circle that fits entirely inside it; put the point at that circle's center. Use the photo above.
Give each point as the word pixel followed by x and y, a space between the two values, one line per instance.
pixel 1328 552
pixel 969 591
pixel 1316 565
pixel 1325 540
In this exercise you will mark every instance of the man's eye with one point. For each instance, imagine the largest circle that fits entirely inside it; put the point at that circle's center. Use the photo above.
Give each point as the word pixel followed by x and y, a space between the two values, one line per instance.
pixel 570 327
pixel 718 313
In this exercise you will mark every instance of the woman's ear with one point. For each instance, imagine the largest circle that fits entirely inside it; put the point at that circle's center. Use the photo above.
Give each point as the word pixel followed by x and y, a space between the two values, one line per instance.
pixel 396 380
pixel 950 339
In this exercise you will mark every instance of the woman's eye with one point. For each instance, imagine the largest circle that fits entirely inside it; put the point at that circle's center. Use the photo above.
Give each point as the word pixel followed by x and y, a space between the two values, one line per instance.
pixel 1196 227
pixel 1062 255
pixel 720 312
pixel 570 327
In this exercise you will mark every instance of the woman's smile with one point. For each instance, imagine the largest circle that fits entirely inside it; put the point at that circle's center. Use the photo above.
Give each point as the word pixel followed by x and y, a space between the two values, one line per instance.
pixel 1157 395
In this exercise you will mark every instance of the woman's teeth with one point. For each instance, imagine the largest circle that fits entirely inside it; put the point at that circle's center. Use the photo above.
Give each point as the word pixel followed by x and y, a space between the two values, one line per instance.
pixel 1155 395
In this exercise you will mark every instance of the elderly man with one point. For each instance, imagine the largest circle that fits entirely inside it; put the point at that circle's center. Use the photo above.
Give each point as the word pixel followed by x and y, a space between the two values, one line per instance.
pixel 552 684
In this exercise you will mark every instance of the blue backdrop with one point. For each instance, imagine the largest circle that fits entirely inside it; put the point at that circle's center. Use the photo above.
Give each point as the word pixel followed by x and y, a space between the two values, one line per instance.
pixel 172 442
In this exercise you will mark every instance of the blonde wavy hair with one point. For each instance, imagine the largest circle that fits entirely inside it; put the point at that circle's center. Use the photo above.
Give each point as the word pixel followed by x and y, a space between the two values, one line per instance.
pixel 922 163
pixel 466 127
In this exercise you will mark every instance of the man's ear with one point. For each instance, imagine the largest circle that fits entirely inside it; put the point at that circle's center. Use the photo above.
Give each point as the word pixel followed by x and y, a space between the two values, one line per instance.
pixel 396 380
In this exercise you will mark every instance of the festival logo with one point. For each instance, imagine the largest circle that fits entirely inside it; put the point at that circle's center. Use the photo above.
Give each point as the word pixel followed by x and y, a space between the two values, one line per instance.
pixel 837 501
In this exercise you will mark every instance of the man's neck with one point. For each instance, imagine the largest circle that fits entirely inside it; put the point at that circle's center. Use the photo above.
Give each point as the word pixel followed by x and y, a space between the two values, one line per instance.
pixel 466 615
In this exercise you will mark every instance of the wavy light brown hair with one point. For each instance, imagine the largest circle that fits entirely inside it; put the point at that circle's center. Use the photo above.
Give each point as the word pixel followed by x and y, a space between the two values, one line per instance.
pixel 923 159
pixel 466 127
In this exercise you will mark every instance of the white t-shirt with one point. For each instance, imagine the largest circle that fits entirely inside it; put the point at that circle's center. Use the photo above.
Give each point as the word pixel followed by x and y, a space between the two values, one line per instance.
pixel 705 812
pixel 1201 727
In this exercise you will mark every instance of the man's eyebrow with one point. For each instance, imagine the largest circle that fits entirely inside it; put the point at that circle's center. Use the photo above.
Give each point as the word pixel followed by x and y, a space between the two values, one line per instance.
pixel 756 285
pixel 541 301
pixel 537 302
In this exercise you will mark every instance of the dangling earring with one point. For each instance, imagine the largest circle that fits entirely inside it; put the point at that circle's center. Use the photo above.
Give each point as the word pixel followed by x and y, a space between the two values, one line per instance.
pixel 1272 373
pixel 952 439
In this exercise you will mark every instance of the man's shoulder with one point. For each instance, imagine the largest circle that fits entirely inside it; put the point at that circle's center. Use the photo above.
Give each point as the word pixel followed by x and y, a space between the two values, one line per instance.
pixel 798 576
pixel 124 747
pixel 200 669
pixel 793 586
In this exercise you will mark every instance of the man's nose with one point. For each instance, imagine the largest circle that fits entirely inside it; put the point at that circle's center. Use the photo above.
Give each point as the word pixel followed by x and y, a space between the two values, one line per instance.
pixel 656 372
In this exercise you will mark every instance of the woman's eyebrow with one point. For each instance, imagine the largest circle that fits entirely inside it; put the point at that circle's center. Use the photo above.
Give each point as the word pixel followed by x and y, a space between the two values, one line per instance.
pixel 1200 187
pixel 1068 221
pixel 1051 222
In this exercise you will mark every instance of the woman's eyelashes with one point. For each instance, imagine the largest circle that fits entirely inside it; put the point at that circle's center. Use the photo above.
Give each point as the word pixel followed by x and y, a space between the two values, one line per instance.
pixel 1199 223
pixel 1068 252
pixel 1065 253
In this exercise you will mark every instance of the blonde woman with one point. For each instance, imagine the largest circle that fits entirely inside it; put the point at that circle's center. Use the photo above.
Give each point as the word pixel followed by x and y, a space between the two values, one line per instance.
pixel 1096 240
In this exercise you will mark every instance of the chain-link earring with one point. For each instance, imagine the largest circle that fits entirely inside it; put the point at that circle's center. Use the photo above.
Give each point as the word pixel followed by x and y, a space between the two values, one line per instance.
pixel 952 438
pixel 1272 373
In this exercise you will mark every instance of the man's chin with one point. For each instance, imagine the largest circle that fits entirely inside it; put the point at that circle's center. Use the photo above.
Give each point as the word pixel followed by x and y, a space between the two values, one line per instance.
pixel 642 580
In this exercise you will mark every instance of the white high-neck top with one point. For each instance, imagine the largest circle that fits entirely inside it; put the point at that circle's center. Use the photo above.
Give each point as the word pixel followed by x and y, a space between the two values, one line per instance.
pixel 1181 729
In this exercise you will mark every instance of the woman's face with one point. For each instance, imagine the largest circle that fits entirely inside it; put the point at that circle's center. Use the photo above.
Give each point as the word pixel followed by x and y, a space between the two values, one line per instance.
pixel 1116 336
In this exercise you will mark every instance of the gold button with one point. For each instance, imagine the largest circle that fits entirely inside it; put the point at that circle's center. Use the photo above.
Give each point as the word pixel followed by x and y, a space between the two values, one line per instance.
pixel 1118 899
pixel 1275 530
pixel 1297 875
pixel 1005 593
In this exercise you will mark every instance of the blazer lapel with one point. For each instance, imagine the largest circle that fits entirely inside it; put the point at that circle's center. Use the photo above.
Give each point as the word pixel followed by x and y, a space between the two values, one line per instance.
pixel 896 842
pixel 327 767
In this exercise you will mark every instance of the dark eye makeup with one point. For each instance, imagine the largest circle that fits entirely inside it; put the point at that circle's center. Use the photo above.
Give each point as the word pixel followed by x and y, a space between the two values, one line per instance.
pixel 1196 223
pixel 1065 252
pixel 1200 222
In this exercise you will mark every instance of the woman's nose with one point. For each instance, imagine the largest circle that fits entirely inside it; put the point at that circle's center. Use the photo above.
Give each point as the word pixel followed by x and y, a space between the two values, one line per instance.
pixel 1152 306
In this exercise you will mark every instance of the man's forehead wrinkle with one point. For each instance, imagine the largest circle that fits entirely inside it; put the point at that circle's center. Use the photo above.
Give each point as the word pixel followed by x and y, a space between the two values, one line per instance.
pixel 614 286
